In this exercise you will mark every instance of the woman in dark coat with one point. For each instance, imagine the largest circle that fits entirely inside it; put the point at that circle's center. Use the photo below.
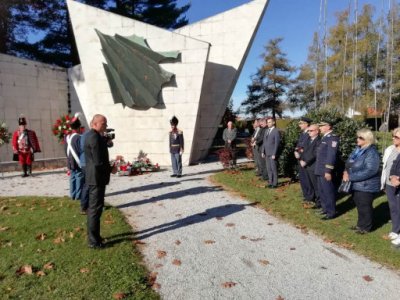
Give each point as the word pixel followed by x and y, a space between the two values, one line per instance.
pixel 362 169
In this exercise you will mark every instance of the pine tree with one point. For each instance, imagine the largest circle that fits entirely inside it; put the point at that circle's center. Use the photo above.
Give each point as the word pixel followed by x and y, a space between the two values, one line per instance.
pixel 270 83
pixel 49 22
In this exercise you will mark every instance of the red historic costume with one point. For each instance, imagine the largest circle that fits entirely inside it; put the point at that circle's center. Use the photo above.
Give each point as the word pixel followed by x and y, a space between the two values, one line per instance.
pixel 25 143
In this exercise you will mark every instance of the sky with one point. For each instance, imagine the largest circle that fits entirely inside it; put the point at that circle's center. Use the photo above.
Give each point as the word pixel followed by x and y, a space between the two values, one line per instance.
pixel 293 20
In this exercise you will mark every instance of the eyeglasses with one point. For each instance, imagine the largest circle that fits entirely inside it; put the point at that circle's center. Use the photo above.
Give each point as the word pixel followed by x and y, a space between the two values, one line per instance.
pixel 395 137
pixel 361 138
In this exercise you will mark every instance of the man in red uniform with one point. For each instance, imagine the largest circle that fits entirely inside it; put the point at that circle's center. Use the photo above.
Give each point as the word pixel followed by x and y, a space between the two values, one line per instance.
pixel 25 143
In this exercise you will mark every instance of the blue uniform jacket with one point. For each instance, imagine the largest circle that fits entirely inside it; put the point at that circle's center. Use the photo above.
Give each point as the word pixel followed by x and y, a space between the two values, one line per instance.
pixel 327 154
pixel 364 171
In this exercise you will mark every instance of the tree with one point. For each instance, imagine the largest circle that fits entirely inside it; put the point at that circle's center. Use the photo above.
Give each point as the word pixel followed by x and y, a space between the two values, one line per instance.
pixel 161 13
pixel 229 114
pixel 48 22
pixel 270 83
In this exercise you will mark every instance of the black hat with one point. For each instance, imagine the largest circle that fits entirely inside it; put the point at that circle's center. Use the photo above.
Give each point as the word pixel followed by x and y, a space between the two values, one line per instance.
pixel 21 120
pixel 174 121
pixel 326 122
pixel 75 122
pixel 306 120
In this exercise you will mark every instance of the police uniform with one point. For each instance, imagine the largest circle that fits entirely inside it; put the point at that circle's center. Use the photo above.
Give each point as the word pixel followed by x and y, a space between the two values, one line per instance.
pixel 176 147
pixel 306 185
pixel 326 160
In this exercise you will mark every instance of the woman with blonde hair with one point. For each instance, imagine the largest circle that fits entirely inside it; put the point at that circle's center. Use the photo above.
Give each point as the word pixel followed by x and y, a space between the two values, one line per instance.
pixel 362 169
pixel 389 182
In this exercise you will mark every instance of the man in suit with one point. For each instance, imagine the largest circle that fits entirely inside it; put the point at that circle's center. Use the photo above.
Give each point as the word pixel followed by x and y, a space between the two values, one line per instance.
pixel 270 151
pixel 307 163
pixel 303 139
pixel 325 164
pixel 256 154
pixel 98 170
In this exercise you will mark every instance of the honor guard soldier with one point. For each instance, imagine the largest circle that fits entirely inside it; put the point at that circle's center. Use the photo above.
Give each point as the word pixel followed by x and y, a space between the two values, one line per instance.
pixel 306 186
pixel 176 147
pixel 327 153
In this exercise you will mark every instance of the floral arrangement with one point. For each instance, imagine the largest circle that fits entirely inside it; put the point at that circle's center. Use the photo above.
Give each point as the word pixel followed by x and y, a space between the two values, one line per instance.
pixel 62 127
pixel 138 166
pixel 4 134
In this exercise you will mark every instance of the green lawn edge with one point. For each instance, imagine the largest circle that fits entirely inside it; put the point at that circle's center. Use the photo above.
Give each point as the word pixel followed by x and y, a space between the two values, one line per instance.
pixel 49 235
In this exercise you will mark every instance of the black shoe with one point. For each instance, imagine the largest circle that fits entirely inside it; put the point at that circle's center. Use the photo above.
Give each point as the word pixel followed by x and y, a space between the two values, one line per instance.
pixel 355 228
pixel 97 246
pixel 24 175
pixel 325 218
pixel 174 175
pixel 361 231
pixel 178 176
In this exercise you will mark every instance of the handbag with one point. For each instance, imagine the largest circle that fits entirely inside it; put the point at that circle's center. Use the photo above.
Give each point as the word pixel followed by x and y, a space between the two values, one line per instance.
pixel 15 157
pixel 345 187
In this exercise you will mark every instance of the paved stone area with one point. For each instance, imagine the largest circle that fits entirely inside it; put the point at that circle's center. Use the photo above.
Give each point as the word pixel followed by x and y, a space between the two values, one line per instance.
pixel 205 243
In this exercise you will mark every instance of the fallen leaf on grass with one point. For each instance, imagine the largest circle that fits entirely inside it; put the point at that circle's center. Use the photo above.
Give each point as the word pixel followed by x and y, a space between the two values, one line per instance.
pixel 367 278
pixel 4 228
pixel 41 237
pixel 161 254
pixel 58 240
pixel 27 269
pixel 230 224
pixel 209 242
pixel 156 286
pixel 139 242
pixel 157 266
pixel 228 284
pixel 40 273
pixel 152 278
pixel 49 266
pixel 177 242
pixel 119 296
pixel 347 246
pixel 386 237
pixel 77 229
pixel 263 262
pixel 84 270
pixel 176 262
pixel 328 241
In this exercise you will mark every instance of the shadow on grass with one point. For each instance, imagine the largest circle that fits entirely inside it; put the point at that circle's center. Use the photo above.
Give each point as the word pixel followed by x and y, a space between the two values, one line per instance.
pixel 208 214
pixel 381 215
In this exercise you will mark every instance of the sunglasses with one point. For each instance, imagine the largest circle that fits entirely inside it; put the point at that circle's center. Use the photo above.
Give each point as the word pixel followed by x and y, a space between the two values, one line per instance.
pixel 361 138
pixel 395 137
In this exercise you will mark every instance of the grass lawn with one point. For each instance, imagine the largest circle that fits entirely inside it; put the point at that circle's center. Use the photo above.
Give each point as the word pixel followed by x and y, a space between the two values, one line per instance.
pixel 44 253
pixel 285 202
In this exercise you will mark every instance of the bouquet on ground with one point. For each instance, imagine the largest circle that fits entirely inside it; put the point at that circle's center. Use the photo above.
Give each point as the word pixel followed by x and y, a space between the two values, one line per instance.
pixel 62 127
pixel 143 164
pixel 4 134
pixel 138 166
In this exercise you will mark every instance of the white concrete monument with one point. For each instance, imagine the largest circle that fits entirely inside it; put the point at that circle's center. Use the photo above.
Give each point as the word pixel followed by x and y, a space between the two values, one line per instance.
pixel 204 67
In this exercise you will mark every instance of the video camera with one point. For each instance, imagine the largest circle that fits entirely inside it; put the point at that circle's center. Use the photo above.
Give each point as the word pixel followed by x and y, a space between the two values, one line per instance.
pixel 109 134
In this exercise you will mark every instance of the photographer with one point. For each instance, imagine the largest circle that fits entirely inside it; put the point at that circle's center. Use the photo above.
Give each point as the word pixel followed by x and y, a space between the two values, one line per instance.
pixel 98 170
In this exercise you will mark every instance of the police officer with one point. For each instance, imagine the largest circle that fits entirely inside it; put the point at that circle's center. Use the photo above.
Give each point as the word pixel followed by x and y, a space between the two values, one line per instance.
pixel 327 153
pixel 306 186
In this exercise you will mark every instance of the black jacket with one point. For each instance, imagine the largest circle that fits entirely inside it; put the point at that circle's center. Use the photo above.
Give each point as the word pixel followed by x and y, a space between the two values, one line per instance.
pixel 98 167
pixel 309 153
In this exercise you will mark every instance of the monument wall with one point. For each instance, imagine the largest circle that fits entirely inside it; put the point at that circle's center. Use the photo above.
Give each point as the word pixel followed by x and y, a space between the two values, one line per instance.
pixel 40 92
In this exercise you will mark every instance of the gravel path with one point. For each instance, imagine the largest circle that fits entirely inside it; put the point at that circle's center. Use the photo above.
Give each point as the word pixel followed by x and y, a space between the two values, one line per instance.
pixel 205 243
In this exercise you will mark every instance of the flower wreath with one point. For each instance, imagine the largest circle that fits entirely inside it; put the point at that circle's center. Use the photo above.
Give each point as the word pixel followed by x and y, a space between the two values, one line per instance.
pixel 4 134
pixel 62 127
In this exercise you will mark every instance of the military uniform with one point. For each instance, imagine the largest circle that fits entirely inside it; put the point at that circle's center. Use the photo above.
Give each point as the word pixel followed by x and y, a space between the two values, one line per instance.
pixel 176 147
pixel 306 186
pixel 326 161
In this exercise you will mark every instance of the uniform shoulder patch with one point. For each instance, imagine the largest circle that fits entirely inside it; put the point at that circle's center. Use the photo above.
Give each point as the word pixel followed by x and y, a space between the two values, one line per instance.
pixel 334 144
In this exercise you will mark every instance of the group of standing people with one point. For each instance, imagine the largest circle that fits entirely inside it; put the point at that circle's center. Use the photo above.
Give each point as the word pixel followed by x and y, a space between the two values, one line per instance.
pixel 318 161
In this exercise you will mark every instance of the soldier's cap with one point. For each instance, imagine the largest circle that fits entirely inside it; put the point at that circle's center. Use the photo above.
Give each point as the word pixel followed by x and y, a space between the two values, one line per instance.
pixel 174 121
pixel 305 120
pixel 326 122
